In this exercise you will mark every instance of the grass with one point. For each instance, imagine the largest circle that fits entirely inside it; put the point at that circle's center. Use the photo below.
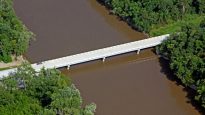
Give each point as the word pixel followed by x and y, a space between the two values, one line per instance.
pixel 174 26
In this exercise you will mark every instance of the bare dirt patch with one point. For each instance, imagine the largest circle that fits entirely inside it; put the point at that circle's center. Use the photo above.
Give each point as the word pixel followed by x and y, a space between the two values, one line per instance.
pixel 16 62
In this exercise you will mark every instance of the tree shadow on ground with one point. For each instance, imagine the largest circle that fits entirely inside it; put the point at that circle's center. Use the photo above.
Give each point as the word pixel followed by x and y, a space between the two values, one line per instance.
pixel 165 69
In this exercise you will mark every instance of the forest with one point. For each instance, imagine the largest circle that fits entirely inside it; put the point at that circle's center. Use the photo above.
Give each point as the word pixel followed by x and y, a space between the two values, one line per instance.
pixel 47 92
pixel 157 17
pixel 185 22
pixel 14 36
pixel 186 53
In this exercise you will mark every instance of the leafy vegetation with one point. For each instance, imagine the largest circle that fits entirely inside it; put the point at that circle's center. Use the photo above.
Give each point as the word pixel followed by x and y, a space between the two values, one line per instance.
pixel 14 36
pixel 157 16
pixel 184 20
pixel 47 92
pixel 186 53
pixel 173 27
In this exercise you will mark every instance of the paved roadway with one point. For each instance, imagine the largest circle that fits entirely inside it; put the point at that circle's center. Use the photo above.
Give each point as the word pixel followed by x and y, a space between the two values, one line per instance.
pixel 95 54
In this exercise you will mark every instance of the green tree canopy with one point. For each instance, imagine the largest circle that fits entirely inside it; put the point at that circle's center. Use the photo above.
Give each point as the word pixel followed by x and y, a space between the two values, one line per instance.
pixel 186 53
pixel 145 15
pixel 14 36
pixel 47 92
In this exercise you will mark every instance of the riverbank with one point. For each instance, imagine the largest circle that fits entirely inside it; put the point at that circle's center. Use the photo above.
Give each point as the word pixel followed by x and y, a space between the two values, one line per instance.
pixel 175 26
pixel 118 86
pixel 14 36
pixel 155 18
pixel 135 87
pixel 17 61
pixel 133 12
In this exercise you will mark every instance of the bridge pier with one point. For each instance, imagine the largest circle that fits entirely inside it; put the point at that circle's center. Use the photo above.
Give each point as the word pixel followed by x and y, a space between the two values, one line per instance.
pixel 103 59
pixel 68 67
pixel 138 51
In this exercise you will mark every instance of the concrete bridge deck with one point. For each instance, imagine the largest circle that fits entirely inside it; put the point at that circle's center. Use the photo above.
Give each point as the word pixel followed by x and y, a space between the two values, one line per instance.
pixel 95 54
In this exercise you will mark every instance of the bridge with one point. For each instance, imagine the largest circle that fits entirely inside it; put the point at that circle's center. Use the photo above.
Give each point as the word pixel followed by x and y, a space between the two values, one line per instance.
pixel 103 53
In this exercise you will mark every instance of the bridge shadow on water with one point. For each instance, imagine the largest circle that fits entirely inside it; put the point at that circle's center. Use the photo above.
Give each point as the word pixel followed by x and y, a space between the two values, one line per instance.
pixel 145 55
pixel 165 69
pixel 110 62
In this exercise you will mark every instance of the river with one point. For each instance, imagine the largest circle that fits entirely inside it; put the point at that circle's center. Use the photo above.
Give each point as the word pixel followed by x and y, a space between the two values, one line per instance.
pixel 129 84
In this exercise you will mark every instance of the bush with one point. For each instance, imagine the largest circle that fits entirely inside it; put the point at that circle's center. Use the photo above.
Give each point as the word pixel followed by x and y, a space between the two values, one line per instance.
pixel 185 51
pixel 14 36
pixel 146 15
pixel 47 92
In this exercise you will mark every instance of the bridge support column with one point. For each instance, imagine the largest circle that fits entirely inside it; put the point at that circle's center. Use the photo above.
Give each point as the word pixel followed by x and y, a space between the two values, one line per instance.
pixel 103 59
pixel 138 51
pixel 68 67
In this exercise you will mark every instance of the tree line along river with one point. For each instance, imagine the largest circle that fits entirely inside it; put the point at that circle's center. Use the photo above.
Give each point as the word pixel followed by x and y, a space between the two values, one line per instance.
pixel 130 84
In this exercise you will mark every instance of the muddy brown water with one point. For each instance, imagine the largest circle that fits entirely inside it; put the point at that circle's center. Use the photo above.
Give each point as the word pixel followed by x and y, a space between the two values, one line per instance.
pixel 129 84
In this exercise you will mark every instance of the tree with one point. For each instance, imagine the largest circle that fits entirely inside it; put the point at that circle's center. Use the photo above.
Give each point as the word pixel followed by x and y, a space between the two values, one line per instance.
pixel 46 92
pixel 70 103
pixel 185 51
pixel 143 15
pixel 201 92
pixel 17 102
pixel 14 36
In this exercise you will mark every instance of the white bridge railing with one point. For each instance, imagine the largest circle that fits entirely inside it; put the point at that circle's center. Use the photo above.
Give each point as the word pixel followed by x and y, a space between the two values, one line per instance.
pixel 95 54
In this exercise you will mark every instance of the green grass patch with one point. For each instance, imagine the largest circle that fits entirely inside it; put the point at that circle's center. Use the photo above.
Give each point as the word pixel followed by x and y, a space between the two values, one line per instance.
pixel 174 26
